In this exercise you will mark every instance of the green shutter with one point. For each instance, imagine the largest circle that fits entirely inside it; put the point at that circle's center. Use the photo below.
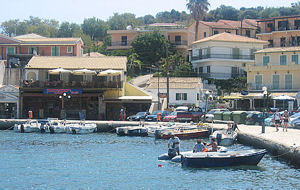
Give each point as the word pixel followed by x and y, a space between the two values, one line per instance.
pixel 295 59
pixel 236 53
pixel 266 60
pixel 258 82
pixel 184 96
pixel 53 51
pixel 288 81
pixel 283 60
pixel 10 50
pixel 177 96
pixel 275 81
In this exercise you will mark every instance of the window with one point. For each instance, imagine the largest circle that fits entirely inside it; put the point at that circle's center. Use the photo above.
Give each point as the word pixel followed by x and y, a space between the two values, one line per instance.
pixel 177 40
pixel 234 72
pixel 181 96
pixel 248 33
pixel 275 82
pixel 295 59
pixel 200 69
pixel 204 34
pixel 282 42
pixel 216 32
pixel 208 69
pixel 270 43
pixel 297 24
pixel 55 51
pixel 235 53
pixel 198 96
pixel 124 40
pixel 282 59
pixel 288 81
pixel 33 50
pixel 266 60
pixel 258 82
pixel 70 49
pixel 10 50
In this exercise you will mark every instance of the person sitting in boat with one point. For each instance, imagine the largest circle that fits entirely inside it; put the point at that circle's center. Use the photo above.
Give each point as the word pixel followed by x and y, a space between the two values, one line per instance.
pixel 213 144
pixel 173 143
pixel 199 146
pixel 234 126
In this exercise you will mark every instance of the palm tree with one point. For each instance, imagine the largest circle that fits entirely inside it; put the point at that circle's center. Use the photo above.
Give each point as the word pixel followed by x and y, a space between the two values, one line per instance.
pixel 198 9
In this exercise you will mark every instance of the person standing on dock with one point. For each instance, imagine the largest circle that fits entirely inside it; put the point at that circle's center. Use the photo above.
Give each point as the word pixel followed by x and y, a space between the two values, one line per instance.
pixel 276 118
pixel 173 143
pixel 285 118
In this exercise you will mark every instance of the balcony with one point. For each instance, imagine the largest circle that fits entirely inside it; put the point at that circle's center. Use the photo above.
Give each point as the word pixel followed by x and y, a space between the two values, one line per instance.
pixel 271 87
pixel 73 84
pixel 285 28
pixel 223 56
pixel 120 45
pixel 221 75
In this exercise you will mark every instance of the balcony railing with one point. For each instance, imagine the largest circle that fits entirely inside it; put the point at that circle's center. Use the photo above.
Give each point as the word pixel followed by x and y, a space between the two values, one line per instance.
pixel 178 43
pixel 121 43
pixel 221 75
pixel 273 87
pixel 272 29
pixel 72 84
pixel 223 56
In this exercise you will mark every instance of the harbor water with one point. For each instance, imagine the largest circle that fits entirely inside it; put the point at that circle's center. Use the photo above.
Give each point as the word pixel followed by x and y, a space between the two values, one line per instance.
pixel 106 161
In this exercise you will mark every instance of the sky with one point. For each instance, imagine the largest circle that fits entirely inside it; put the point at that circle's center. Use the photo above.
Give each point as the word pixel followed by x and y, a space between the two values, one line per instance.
pixel 77 10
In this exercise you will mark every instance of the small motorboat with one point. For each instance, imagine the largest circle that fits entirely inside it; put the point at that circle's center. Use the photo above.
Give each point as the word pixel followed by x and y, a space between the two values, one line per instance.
pixel 182 133
pixel 30 126
pixel 223 159
pixel 132 131
pixel 224 137
pixel 54 126
pixel 81 128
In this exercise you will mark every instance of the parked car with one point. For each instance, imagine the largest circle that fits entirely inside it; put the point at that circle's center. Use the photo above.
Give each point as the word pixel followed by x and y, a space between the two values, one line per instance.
pixel 138 116
pixel 209 116
pixel 193 114
pixel 293 120
pixel 171 117
pixel 269 120
pixel 255 118
pixel 153 115
pixel 181 108
pixel 295 123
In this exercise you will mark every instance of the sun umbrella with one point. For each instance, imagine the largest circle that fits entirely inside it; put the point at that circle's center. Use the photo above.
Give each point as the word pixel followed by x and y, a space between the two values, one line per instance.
pixel 109 72
pixel 83 72
pixel 58 71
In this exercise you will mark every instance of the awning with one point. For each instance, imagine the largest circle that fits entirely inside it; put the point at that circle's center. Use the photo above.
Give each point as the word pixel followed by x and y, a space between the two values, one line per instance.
pixel 83 72
pixel 232 97
pixel 135 98
pixel 58 71
pixel 109 72
pixel 283 97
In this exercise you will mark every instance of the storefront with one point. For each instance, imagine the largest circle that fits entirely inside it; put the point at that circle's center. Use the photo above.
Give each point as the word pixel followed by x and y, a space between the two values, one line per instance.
pixel 9 102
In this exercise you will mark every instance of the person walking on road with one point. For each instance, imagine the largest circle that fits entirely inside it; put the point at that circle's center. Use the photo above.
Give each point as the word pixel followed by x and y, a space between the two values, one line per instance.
pixel 285 120
pixel 276 118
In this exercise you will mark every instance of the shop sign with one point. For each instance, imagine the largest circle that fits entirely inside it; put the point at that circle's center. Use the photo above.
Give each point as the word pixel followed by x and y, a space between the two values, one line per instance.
pixel 61 91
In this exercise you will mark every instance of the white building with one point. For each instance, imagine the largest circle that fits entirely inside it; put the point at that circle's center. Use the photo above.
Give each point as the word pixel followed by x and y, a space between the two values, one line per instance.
pixel 182 90
pixel 224 55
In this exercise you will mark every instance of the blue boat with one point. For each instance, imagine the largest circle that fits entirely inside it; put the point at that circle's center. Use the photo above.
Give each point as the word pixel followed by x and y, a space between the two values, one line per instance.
pixel 223 159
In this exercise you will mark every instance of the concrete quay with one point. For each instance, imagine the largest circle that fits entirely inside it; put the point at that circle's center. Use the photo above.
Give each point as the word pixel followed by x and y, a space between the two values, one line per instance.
pixel 283 145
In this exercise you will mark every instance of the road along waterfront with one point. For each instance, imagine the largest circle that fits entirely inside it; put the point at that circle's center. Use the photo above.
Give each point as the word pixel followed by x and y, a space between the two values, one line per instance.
pixel 106 161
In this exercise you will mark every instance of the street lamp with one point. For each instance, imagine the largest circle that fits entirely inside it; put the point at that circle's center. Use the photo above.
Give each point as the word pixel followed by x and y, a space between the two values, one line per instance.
pixel 63 97
pixel 265 94
pixel 206 100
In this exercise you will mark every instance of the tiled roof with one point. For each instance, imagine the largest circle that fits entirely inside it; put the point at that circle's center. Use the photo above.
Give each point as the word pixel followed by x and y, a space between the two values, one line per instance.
pixel 174 82
pixel 93 54
pixel 232 24
pixel 227 37
pixel 49 41
pixel 216 25
pixel 7 40
pixel 67 62
pixel 164 24
pixel 237 24
pixel 279 49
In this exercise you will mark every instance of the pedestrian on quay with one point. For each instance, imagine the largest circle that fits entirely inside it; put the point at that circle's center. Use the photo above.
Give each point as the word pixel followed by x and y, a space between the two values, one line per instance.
pixel 285 118
pixel 277 119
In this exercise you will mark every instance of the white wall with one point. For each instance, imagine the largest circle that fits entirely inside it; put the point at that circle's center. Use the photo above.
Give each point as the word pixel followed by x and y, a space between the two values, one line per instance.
pixel 2 72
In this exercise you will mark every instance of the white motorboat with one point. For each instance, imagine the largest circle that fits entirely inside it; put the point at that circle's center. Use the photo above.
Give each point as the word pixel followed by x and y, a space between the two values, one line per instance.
pixel 132 131
pixel 29 127
pixel 54 126
pixel 224 137
pixel 81 128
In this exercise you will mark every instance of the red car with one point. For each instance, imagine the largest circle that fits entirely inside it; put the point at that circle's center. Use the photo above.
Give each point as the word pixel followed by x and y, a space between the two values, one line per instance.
pixel 171 117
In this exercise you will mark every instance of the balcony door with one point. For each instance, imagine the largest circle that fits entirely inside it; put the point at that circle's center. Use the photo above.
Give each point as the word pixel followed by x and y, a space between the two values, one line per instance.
pixel 258 82
pixel 178 40
pixel 124 40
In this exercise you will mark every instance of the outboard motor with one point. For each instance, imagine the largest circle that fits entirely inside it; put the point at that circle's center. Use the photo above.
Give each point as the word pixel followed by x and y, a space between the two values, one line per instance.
pixel 51 129
pixel 73 131
pixel 43 130
pixel 218 138
pixel 22 128
pixel 172 152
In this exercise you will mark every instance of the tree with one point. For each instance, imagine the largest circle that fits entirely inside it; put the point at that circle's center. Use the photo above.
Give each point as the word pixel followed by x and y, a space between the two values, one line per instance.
pixel 225 12
pixel 147 19
pixel 121 21
pixel 10 27
pixel 67 29
pixel 150 48
pixel 95 28
pixel 198 9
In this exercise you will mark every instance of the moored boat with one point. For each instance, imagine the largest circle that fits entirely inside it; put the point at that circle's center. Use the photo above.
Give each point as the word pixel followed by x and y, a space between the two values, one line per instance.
pixel 81 128
pixel 223 159
pixel 132 131
pixel 30 126
pixel 182 133
pixel 224 137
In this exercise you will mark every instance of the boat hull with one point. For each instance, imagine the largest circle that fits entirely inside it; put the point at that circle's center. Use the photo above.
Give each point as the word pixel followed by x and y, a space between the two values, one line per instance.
pixel 222 160
pixel 186 135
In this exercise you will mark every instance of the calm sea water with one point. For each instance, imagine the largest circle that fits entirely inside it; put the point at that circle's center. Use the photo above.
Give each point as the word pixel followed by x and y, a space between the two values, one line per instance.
pixel 106 161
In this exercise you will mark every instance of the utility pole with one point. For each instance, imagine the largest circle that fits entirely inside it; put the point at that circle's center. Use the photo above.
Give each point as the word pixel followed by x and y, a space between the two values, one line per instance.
pixel 168 87
pixel 158 94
